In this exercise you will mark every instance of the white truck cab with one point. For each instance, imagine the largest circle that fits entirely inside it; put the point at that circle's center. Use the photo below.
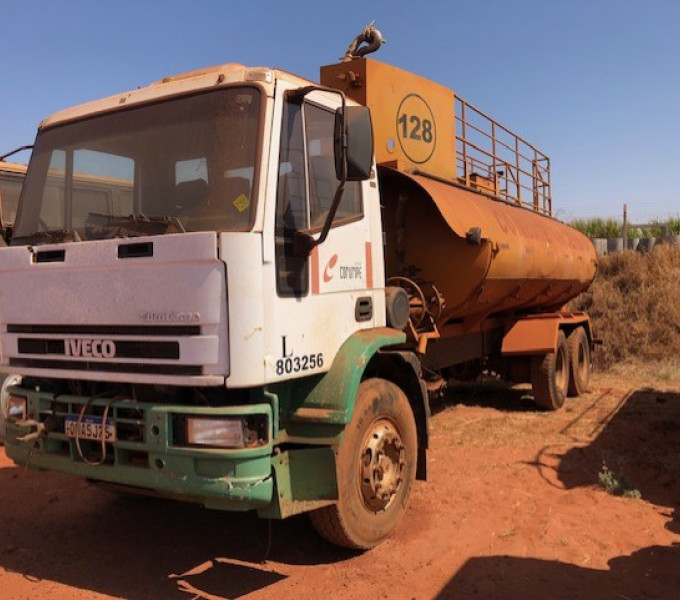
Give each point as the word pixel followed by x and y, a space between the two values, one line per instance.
pixel 188 279
pixel 190 195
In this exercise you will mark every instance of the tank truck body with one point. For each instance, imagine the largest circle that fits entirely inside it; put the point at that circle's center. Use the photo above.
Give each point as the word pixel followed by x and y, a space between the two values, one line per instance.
pixel 256 302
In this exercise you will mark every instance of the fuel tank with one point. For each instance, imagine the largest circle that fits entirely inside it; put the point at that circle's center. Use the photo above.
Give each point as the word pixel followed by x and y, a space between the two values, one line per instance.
pixel 486 257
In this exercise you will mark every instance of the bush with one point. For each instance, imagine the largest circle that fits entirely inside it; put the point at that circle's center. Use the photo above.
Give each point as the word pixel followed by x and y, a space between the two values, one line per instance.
pixel 613 228
pixel 617 486
pixel 634 305
pixel 598 228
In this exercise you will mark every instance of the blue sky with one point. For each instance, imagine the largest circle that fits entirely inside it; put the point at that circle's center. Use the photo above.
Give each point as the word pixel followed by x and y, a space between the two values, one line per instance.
pixel 594 84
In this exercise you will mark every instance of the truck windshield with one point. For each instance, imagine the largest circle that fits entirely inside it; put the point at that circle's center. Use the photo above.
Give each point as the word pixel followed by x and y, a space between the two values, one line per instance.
pixel 186 164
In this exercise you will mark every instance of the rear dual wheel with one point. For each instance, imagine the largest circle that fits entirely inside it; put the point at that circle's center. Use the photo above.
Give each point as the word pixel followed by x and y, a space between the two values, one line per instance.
pixel 375 466
pixel 578 345
pixel 565 372
pixel 550 375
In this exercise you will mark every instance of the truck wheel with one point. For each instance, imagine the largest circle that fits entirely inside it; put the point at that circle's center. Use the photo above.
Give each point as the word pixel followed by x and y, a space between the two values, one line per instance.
pixel 579 361
pixel 550 375
pixel 375 466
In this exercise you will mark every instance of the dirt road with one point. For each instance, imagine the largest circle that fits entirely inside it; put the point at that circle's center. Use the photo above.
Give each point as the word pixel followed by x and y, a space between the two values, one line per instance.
pixel 512 509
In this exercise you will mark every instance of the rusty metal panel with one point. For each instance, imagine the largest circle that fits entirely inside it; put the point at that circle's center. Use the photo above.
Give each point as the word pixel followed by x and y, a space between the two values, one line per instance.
pixel 531 336
pixel 538 333
pixel 413 117
pixel 524 260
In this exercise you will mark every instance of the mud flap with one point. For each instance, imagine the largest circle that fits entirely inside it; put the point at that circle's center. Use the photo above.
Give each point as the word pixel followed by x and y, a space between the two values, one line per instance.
pixel 305 480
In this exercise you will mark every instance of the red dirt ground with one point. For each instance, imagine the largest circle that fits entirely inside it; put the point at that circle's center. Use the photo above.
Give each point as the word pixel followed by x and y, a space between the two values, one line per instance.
pixel 512 509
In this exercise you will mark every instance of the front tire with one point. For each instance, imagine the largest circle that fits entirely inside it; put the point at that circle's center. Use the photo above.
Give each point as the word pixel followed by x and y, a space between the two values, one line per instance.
pixel 375 469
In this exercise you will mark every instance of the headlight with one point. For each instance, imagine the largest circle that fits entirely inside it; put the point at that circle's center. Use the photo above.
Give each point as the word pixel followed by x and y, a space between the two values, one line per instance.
pixel 16 408
pixel 248 431
pixel 10 380
pixel 218 433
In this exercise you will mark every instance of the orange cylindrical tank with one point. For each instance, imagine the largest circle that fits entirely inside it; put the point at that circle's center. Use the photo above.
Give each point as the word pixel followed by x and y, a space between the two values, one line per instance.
pixel 524 261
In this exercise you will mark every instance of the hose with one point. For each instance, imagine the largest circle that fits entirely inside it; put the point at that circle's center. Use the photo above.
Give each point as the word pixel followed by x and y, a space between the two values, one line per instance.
pixel 370 36
pixel 105 415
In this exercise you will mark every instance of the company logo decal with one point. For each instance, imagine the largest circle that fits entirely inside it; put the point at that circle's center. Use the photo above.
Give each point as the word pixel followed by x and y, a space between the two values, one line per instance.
pixel 327 275
pixel 353 271
pixel 90 348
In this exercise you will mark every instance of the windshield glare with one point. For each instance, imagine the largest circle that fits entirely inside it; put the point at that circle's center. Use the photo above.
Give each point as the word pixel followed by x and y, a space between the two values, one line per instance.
pixel 186 164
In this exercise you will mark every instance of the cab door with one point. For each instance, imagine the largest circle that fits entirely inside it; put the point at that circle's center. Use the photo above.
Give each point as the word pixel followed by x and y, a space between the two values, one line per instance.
pixel 319 300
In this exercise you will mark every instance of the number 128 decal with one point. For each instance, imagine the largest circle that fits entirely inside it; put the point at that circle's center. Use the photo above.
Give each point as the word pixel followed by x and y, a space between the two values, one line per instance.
pixel 416 129
pixel 420 130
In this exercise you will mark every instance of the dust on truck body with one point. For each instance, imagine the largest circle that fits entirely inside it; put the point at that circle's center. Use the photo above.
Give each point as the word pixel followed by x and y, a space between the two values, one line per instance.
pixel 226 322
pixel 11 181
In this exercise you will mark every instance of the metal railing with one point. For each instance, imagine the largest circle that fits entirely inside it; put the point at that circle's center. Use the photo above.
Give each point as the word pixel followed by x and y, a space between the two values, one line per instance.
pixel 496 161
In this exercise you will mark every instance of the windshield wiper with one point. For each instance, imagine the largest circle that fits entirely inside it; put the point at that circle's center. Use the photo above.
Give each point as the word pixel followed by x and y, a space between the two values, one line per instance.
pixel 148 224
pixel 47 236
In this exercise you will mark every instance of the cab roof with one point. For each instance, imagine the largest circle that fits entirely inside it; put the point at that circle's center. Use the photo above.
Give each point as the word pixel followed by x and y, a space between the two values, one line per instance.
pixel 184 83
pixel 12 167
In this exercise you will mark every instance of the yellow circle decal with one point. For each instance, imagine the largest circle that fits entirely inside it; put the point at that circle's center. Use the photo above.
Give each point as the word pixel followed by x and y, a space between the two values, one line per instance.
pixel 416 130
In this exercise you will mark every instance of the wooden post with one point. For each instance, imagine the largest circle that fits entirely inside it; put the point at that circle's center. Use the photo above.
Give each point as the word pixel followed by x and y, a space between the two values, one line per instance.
pixel 624 229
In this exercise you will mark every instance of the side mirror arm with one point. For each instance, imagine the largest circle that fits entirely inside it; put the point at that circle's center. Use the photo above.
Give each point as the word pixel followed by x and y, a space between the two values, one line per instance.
pixel 303 242
pixel 15 151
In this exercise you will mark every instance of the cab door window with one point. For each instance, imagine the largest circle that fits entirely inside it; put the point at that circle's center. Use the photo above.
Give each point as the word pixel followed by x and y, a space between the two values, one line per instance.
pixel 319 126
pixel 292 215
pixel 306 188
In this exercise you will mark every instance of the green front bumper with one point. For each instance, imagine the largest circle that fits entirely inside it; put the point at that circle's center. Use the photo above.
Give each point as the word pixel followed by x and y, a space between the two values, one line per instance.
pixel 145 457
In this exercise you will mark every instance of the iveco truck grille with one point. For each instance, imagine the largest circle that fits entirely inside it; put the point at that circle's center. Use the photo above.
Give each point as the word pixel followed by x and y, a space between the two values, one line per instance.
pixel 99 348
pixel 124 349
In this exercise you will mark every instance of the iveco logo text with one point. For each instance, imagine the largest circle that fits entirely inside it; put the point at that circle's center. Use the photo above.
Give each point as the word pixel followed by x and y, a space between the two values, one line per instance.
pixel 171 317
pixel 90 348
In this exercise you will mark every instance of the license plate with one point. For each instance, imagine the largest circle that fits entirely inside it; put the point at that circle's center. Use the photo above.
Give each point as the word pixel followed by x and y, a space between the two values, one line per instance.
pixel 90 428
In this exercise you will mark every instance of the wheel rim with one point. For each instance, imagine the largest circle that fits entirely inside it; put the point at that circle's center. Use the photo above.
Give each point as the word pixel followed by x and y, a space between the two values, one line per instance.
pixel 383 459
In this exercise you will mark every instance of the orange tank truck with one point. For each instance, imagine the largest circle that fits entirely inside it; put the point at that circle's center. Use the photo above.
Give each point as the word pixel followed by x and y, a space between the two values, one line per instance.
pixel 241 285
pixel 468 234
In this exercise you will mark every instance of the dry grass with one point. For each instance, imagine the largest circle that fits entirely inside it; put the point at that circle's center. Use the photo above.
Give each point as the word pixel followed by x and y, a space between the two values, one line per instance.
pixel 635 306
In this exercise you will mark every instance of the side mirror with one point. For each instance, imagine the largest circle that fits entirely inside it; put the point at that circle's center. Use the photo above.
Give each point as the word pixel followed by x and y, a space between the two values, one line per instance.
pixel 358 137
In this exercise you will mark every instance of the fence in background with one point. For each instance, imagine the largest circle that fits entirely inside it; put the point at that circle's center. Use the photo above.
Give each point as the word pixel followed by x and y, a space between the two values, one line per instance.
pixel 643 243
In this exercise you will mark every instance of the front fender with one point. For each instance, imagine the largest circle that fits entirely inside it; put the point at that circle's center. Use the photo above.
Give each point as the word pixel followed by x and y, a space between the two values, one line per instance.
pixel 331 398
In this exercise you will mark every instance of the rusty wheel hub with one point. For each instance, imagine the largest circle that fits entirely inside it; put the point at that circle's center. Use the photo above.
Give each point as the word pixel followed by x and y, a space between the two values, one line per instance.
pixel 383 458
